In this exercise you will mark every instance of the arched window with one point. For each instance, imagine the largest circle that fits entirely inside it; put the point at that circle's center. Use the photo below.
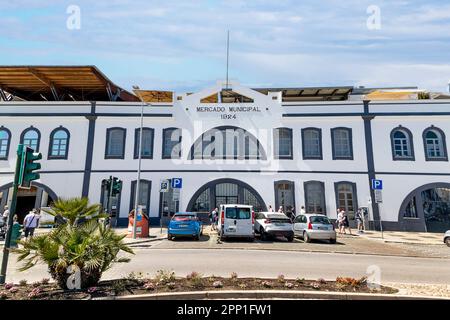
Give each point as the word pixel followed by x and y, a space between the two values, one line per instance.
pixel 312 143
pixel 341 143
pixel 59 144
pixel 5 140
pixel 31 137
pixel 115 143
pixel 148 135
pixel 227 143
pixel 434 143
pixel 282 141
pixel 315 197
pixel 402 144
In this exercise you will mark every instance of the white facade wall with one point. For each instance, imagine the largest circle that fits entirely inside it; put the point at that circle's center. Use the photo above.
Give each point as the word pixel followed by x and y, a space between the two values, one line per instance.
pixel 66 177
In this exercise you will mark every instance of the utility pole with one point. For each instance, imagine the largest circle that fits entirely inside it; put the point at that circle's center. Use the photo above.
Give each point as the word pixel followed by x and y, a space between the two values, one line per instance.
pixel 24 174
pixel 138 182
pixel 228 57
pixel 111 182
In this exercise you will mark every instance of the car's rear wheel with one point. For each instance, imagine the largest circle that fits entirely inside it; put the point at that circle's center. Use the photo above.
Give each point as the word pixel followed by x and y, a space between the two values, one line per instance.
pixel 222 237
pixel 332 241
pixel 263 235
pixel 447 242
pixel 290 239
pixel 169 237
pixel 306 238
pixel 197 238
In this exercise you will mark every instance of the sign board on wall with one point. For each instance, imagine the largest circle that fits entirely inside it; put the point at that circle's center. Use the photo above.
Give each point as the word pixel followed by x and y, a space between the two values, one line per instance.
pixel 165 185
pixel 378 196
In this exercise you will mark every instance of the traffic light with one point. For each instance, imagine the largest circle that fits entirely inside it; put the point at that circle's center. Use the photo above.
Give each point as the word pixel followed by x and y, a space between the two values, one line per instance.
pixel 116 186
pixel 28 167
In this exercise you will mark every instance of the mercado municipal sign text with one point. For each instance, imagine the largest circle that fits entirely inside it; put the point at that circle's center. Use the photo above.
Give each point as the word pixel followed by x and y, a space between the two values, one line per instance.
pixel 229 112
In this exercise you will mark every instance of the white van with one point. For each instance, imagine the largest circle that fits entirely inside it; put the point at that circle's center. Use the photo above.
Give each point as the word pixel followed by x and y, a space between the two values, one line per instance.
pixel 237 221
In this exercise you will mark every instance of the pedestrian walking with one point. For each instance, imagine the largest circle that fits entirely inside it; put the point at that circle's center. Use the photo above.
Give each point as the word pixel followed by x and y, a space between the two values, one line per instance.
pixel 293 215
pixel 340 221
pixel 360 221
pixel 5 215
pixel 270 208
pixel 346 223
pixel 302 210
pixel 213 218
pixel 31 222
pixel 280 209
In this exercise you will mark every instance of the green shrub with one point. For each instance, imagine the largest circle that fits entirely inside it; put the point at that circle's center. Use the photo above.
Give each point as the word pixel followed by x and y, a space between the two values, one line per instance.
pixel 164 277
pixel 90 245
pixel 196 279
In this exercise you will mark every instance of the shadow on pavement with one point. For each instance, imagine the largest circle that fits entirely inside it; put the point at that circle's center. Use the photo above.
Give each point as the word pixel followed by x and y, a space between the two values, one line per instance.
pixel 203 238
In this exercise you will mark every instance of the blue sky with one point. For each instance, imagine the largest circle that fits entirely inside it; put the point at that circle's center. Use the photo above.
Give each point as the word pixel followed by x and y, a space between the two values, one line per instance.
pixel 181 45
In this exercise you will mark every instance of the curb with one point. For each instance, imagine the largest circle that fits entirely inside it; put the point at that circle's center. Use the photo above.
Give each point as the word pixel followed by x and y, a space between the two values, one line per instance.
pixel 269 294
pixel 311 251
pixel 145 240
pixel 415 243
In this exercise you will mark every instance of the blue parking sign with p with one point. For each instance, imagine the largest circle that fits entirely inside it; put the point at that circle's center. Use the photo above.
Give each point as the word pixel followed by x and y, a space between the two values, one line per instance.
pixel 377 184
pixel 177 183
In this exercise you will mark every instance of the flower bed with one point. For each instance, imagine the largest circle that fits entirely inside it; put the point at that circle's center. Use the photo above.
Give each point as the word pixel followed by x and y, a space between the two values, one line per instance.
pixel 167 282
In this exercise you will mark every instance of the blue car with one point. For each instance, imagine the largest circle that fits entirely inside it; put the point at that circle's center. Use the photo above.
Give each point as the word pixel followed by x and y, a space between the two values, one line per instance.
pixel 185 224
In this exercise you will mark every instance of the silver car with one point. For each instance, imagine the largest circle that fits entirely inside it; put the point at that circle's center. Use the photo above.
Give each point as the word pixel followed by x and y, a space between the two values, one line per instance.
pixel 272 224
pixel 314 227
pixel 447 238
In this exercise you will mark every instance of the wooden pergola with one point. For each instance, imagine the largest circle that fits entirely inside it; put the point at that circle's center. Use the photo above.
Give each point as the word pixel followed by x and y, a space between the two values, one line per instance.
pixel 59 83
pixel 311 93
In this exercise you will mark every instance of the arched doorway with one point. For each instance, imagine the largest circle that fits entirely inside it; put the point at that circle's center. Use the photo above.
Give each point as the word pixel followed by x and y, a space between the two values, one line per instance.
pixel 225 191
pixel 427 209
pixel 38 196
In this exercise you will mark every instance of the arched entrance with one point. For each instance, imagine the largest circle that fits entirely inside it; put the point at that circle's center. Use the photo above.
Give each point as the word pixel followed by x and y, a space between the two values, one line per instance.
pixel 427 209
pixel 225 191
pixel 38 196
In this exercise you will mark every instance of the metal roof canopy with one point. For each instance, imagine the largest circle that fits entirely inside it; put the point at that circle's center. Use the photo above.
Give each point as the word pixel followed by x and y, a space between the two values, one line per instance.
pixel 310 93
pixel 59 83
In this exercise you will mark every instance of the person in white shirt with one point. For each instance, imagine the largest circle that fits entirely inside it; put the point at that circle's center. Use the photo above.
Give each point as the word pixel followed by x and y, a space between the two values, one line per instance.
pixel 31 222
pixel 302 210
pixel 340 219
pixel 5 215
pixel 270 208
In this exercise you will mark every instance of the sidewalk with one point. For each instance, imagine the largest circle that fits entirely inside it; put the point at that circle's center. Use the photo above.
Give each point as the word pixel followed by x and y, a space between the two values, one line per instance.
pixel 422 238
pixel 155 234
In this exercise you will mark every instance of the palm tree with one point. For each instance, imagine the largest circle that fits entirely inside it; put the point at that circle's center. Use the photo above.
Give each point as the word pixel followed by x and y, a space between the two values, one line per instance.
pixel 90 246
pixel 75 209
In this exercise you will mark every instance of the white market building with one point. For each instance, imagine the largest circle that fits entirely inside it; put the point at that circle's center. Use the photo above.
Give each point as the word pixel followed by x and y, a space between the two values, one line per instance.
pixel 291 147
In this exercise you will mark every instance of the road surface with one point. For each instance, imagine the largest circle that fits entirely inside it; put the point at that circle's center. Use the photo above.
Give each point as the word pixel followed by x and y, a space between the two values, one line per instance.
pixel 263 263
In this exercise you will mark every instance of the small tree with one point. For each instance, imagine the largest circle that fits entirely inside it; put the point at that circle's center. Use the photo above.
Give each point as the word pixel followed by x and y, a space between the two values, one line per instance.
pixel 90 246
pixel 75 209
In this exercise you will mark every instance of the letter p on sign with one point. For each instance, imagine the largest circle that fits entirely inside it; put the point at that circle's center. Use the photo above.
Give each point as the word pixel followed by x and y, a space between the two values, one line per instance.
pixel 377 184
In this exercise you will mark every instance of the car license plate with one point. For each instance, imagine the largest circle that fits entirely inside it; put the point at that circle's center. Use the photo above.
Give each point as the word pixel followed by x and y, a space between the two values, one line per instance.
pixel 323 228
pixel 279 224
pixel 231 230
pixel 183 225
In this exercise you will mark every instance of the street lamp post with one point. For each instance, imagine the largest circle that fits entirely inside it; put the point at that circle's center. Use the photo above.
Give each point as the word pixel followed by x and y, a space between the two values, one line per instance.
pixel 138 182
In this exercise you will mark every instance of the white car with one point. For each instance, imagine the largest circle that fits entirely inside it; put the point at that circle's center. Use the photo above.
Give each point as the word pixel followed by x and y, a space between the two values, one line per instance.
pixel 272 224
pixel 447 238
pixel 314 227
pixel 236 221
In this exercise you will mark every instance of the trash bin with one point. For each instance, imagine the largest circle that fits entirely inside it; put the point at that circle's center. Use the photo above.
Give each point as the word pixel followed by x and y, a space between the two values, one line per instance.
pixel 141 224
